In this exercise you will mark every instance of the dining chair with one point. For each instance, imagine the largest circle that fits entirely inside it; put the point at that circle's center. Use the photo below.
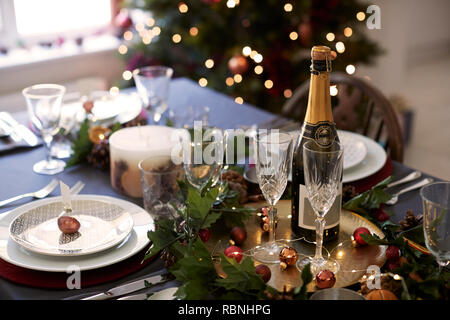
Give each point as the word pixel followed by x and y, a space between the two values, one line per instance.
pixel 358 107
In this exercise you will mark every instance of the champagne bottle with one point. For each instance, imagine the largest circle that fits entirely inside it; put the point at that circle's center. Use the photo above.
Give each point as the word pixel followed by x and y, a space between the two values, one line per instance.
pixel 319 126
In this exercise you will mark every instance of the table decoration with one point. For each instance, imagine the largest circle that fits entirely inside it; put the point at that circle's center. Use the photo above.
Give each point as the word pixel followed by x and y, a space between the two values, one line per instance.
pixel 128 146
pixel 130 246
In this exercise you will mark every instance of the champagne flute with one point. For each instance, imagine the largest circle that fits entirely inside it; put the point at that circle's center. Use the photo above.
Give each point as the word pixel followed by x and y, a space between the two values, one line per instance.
pixel 273 159
pixel 436 220
pixel 152 84
pixel 203 156
pixel 44 109
pixel 323 174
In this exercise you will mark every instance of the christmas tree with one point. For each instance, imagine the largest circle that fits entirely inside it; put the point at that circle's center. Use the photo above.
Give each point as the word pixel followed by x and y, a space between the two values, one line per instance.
pixel 255 51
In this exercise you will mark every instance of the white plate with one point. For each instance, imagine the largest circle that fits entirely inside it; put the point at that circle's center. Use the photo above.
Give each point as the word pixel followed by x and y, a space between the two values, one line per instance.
pixel 107 108
pixel 372 162
pixel 135 242
pixel 102 226
pixel 354 148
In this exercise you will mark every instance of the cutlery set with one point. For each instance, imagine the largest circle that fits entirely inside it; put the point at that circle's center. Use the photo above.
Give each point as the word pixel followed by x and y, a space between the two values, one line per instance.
pixel 9 127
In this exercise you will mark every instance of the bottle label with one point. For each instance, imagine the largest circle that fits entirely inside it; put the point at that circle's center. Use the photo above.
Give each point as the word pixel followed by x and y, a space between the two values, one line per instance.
pixel 307 217
pixel 323 132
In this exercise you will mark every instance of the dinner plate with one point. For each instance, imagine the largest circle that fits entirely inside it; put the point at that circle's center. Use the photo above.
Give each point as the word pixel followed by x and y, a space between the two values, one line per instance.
pixel 354 149
pixel 102 225
pixel 132 244
pixel 107 108
pixel 373 161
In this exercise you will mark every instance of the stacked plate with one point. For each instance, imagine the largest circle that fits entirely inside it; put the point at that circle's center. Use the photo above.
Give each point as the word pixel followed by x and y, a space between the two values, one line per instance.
pixel 111 230
pixel 362 156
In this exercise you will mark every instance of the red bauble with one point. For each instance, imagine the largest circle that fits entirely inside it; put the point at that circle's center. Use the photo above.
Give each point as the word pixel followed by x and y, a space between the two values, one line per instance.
pixel 393 253
pixel 357 235
pixel 288 255
pixel 325 279
pixel 238 234
pixel 234 252
pixel 204 234
pixel 264 271
pixel 238 64
pixel 123 20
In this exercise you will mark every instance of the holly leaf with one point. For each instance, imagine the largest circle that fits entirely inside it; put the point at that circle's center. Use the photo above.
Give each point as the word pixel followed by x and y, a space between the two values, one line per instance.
pixel 82 146
pixel 200 205
pixel 162 237
pixel 415 234
pixel 370 199
pixel 241 276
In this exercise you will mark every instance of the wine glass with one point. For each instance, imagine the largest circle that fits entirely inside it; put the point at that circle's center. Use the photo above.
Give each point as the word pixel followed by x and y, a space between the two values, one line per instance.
pixel 152 84
pixel 273 152
pixel 323 175
pixel 44 109
pixel 436 220
pixel 203 153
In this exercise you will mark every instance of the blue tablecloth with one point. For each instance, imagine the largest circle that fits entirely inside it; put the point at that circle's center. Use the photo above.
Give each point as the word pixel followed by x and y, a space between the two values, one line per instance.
pixel 17 176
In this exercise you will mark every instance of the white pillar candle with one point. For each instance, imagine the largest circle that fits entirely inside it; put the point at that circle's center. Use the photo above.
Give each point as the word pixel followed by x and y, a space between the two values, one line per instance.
pixel 128 146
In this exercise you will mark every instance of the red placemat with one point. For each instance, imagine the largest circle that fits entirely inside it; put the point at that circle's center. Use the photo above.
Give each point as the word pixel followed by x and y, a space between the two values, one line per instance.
pixel 57 280
pixel 370 181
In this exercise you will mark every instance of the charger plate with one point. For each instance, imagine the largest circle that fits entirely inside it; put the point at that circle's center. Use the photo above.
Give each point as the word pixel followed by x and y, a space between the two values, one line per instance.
pixel 102 226
pixel 136 241
pixel 353 261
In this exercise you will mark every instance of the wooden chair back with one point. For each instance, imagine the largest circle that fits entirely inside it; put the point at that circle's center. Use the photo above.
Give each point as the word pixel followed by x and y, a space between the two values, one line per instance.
pixel 358 107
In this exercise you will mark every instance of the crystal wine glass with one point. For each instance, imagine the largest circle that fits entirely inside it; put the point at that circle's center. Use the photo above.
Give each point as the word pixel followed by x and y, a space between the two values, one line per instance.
pixel 323 174
pixel 152 84
pixel 436 220
pixel 273 152
pixel 203 156
pixel 44 109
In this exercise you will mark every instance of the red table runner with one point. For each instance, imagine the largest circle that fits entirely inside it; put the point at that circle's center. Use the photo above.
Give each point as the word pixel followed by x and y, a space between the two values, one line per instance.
pixel 57 280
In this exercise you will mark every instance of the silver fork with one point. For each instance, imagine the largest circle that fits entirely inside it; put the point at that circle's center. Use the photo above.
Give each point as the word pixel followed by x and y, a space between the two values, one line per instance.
pixel 42 193
pixel 419 184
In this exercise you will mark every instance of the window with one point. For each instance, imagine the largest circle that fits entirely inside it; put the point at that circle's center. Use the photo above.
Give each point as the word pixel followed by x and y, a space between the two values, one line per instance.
pixel 44 20
pixel 50 16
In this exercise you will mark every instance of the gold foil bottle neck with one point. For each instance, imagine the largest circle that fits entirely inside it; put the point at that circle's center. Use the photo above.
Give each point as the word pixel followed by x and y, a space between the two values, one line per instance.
pixel 320 53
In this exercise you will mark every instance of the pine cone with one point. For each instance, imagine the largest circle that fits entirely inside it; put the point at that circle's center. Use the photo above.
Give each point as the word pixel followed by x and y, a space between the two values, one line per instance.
pixel 99 155
pixel 236 182
pixel 410 221
pixel 348 192
pixel 243 196
pixel 168 258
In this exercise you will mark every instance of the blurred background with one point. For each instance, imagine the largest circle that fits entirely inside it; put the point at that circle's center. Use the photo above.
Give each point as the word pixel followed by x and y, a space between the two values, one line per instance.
pixel 256 52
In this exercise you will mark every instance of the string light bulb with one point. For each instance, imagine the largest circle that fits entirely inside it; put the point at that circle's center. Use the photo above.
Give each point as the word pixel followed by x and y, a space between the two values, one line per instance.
pixel 231 3
pixel 259 69
pixel 268 84
pixel 237 78
pixel 288 7
pixel 239 100
pixel 246 51
pixel 348 32
pixel 209 63
pixel 156 30
pixel 114 91
pixel 150 22
pixel 182 7
pixel 360 16
pixel 330 36
pixel 229 81
pixel 350 69
pixel 258 58
pixel 340 47
pixel 123 49
pixel 287 93
pixel 176 38
pixel 333 90
pixel 193 31
pixel 293 35
pixel 128 35
pixel 127 75
pixel 203 82
pixel 140 26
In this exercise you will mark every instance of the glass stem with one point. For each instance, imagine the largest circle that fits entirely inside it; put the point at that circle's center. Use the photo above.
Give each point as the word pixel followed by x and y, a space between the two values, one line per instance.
pixel 320 226
pixel 48 139
pixel 272 220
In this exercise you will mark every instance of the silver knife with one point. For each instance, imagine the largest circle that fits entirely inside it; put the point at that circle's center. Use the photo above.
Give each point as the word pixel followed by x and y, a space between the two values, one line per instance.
pixel 9 132
pixel 126 288
pixel 26 134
